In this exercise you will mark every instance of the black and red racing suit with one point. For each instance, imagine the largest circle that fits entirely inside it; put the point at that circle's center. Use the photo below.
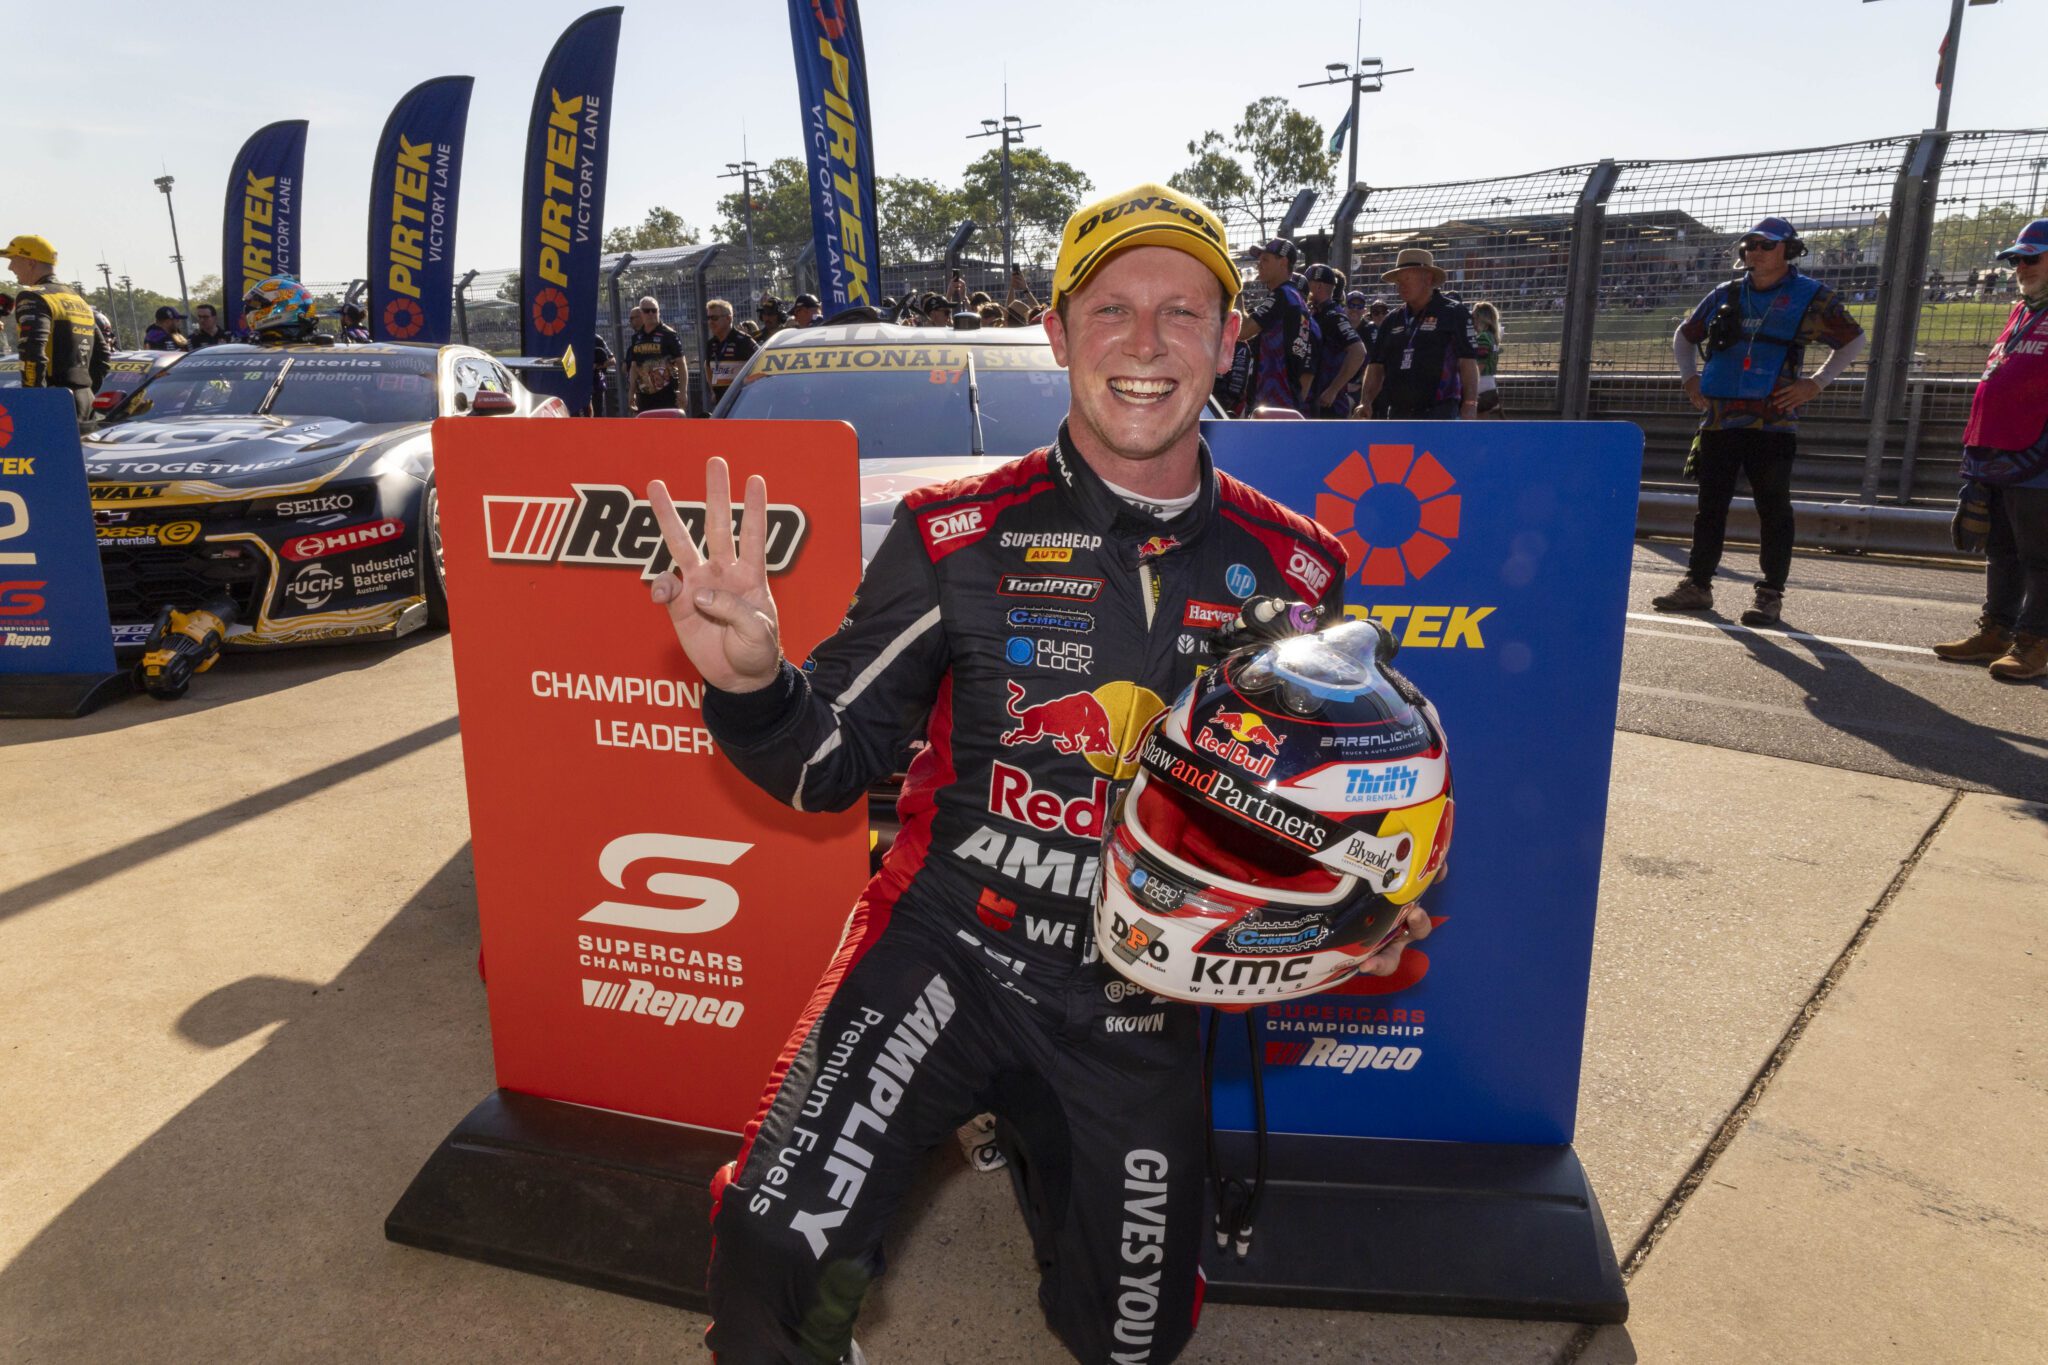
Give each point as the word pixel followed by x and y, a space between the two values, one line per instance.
pixel 1027 623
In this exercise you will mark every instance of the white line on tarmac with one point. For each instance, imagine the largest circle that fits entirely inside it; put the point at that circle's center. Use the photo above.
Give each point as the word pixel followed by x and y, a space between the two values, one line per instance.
pixel 1722 639
pixel 1963 731
pixel 1731 628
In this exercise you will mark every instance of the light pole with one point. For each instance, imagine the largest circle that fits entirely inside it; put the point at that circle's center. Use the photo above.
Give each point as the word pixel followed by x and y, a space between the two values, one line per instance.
pixel 163 182
pixel 2034 190
pixel 745 171
pixel 134 329
pixel 1945 76
pixel 1365 76
pixel 1010 129
pixel 108 275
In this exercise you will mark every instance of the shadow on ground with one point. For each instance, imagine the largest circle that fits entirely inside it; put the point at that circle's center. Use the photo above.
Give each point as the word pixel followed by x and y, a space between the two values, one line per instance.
pixel 236 678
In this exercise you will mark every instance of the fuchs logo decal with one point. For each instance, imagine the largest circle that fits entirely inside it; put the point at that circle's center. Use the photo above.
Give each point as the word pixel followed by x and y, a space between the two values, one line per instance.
pixel 1049 585
pixel 343 539
pixel 606 525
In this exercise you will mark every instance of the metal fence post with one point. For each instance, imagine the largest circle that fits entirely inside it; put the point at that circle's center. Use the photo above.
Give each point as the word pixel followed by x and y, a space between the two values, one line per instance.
pixel 1897 325
pixel 1582 293
pixel 462 305
pixel 703 377
pixel 803 272
pixel 1348 209
pixel 616 393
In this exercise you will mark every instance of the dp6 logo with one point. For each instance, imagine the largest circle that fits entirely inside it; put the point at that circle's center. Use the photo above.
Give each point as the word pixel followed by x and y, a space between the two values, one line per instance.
pixel 716 901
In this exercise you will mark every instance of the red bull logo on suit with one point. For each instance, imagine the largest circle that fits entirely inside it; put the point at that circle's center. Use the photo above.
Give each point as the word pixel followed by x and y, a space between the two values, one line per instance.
pixel 1103 724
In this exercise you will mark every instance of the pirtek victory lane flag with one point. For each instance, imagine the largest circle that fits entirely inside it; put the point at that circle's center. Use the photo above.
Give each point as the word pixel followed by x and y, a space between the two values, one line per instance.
pixel 832 80
pixel 562 217
pixel 415 183
pixel 653 924
pixel 261 234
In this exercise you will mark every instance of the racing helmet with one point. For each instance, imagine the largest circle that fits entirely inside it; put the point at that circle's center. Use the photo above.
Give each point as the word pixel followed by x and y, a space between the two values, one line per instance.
pixel 1287 808
pixel 277 303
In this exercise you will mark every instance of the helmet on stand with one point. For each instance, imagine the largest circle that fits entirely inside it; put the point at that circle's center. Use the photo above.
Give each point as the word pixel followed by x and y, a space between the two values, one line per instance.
pixel 1287 808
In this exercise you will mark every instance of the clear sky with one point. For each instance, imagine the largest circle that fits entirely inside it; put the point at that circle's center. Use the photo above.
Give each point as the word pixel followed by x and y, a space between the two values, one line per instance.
pixel 119 93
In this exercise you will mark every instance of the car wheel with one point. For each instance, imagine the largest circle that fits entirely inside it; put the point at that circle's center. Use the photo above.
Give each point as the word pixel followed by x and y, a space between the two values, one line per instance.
pixel 433 560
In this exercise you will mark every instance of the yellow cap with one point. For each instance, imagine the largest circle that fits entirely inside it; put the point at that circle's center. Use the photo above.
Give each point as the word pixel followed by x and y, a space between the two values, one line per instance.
pixel 1144 215
pixel 33 247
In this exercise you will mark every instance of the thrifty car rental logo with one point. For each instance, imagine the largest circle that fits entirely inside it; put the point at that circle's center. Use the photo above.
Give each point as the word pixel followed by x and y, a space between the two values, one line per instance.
pixel 605 524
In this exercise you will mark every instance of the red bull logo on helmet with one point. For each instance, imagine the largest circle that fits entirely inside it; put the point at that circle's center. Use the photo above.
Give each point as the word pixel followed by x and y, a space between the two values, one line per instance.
pixel 1242 739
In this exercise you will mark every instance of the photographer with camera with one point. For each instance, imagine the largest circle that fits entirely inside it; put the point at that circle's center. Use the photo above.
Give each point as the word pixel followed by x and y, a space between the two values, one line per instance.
pixel 1753 332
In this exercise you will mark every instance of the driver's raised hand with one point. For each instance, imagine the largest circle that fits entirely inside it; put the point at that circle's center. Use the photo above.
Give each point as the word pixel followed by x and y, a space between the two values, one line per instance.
pixel 720 606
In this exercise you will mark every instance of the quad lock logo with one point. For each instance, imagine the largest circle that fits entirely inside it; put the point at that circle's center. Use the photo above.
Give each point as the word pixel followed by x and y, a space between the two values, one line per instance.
pixel 606 525
pixel 1397 513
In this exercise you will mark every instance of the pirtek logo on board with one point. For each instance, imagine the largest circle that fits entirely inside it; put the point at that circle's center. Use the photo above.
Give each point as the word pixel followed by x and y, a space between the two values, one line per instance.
pixel 259 219
pixel 408 205
pixel 845 149
pixel 558 203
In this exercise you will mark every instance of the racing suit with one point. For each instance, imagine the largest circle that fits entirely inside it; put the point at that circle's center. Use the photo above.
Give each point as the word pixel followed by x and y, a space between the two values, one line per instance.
pixel 1028 622
pixel 61 348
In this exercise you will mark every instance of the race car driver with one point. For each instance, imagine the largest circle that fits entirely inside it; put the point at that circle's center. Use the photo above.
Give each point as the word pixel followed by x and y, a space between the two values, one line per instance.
pixel 61 348
pixel 1027 623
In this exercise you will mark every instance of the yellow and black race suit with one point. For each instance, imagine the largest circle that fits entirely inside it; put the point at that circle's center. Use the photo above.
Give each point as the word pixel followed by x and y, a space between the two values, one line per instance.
pixel 60 347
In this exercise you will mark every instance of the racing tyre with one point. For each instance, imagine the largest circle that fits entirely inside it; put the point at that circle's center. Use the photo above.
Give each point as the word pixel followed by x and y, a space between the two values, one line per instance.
pixel 432 557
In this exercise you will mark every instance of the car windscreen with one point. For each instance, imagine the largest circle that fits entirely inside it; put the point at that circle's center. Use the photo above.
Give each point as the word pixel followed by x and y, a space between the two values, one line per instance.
pixel 908 400
pixel 352 388
pixel 10 373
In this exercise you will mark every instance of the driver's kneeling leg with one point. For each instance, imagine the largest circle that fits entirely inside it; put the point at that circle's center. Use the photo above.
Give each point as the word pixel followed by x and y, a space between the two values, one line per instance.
pixel 886 1072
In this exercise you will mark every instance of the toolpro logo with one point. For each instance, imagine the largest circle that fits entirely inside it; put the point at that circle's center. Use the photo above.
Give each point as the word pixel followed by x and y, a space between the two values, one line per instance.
pixel 606 525
pixel 1393 511
pixel 1105 724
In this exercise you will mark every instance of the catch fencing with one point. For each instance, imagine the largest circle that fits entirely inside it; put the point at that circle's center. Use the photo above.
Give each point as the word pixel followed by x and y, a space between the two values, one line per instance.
pixel 1592 266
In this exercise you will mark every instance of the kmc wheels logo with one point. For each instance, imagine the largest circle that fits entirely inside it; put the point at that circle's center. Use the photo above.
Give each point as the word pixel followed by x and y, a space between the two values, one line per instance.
pixel 1394 513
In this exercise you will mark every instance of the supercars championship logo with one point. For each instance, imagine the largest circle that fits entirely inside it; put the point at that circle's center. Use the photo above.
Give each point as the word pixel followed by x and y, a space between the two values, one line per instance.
pixel 605 524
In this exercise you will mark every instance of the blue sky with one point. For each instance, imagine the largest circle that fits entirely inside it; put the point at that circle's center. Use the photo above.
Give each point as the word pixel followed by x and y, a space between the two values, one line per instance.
pixel 1501 85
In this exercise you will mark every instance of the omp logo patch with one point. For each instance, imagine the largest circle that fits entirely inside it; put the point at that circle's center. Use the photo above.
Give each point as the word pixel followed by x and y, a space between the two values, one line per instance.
pixel 606 525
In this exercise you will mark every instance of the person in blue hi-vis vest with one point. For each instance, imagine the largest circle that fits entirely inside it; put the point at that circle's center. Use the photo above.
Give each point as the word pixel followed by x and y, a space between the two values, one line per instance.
pixel 1754 332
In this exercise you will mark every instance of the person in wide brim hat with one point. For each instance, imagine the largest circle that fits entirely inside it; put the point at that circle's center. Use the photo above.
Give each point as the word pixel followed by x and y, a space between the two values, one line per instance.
pixel 1414 256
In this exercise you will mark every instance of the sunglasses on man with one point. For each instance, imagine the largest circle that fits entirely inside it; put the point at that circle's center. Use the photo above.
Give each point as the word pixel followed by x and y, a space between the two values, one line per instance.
pixel 1756 246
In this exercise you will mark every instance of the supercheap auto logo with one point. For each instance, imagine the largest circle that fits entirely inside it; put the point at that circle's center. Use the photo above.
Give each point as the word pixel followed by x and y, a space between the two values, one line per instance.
pixel 1396 512
pixel 606 525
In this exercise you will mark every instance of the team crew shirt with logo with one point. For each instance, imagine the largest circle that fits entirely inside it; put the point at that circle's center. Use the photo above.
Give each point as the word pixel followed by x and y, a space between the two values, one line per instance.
pixel 655 362
pixel 1026 624
pixel 725 359
pixel 1420 353
pixel 1286 351
pixel 1826 320
pixel 1337 334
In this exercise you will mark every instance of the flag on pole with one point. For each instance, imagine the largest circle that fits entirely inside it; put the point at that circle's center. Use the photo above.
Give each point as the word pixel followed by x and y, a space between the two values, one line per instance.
pixel 1337 138
pixel 1940 60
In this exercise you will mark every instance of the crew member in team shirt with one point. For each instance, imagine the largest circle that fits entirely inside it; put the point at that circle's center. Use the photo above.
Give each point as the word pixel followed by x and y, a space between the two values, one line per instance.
pixel 1340 358
pixel 654 359
pixel 1426 360
pixel 727 350
pixel 1283 335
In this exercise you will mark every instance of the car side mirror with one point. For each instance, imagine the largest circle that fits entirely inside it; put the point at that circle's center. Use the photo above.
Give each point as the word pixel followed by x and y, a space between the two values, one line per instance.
pixel 492 403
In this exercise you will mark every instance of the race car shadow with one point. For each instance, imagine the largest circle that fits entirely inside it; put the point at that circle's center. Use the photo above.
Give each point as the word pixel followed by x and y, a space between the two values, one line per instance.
pixel 235 678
